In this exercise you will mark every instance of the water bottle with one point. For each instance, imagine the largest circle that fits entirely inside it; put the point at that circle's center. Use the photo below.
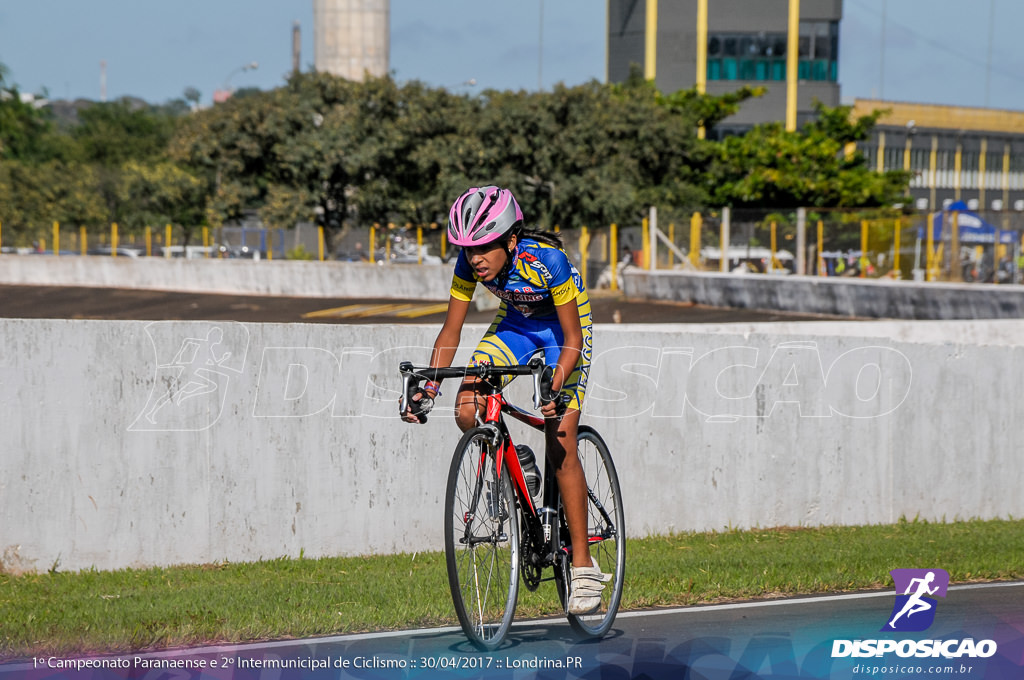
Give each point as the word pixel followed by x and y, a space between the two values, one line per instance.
pixel 528 461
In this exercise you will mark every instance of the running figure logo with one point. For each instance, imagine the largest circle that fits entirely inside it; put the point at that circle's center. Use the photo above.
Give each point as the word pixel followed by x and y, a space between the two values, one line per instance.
pixel 192 375
pixel 915 605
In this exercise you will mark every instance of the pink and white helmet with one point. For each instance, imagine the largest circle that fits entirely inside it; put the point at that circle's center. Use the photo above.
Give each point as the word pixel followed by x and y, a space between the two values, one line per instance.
pixel 482 215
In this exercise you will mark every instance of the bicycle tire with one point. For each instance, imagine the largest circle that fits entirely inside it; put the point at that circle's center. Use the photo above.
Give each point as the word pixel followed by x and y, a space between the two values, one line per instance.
pixel 610 553
pixel 483 574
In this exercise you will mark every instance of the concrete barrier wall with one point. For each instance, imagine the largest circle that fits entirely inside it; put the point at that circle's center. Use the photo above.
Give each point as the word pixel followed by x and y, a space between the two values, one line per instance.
pixel 814 295
pixel 134 443
pixel 866 298
pixel 278 277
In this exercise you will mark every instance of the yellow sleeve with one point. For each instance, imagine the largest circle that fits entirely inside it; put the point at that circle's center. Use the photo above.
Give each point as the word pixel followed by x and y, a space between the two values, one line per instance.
pixel 564 293
pixel 462 289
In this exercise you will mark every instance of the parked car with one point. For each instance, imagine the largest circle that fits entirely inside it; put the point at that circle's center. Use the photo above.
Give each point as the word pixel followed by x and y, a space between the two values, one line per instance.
pixel 244 252
pixel 122 251
pixel 217 250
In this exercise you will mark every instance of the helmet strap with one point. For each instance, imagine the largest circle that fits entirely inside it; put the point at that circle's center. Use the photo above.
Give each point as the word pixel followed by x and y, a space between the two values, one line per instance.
pixel 510 256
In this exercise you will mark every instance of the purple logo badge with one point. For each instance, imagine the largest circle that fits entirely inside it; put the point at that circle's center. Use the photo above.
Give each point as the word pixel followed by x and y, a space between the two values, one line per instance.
pixel 916 589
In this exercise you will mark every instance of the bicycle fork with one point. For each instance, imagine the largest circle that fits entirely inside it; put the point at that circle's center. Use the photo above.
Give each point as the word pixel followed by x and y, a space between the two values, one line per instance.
pixel 492 505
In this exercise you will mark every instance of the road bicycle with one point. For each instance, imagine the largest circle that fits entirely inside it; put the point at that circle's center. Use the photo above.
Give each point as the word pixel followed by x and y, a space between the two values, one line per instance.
pixel 495 536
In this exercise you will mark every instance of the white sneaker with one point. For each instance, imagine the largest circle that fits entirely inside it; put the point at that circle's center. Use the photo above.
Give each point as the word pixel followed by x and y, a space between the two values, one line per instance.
pixel 585 590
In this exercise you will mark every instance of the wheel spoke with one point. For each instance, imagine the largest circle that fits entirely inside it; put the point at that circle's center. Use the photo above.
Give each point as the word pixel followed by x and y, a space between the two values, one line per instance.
pixel 605 530
pixel 481 543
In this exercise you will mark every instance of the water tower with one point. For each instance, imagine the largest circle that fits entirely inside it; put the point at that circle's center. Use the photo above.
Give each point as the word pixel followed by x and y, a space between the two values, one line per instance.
pixel 351 37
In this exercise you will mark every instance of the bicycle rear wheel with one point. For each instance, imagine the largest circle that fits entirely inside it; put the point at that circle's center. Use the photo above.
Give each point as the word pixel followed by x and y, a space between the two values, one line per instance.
pixel 606 527
pixel 481 536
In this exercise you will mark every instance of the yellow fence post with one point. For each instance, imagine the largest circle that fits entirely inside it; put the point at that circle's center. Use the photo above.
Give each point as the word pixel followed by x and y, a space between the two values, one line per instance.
pixel 168 235
pixel 896 249
pixel 822 270
pixel 83 239
pixel 774 261
pixel 419 245
pixel 696 222
pixel 206 241
pixel 613 248
pixel 320 243
pixel 373 242
pixel 929 255
pixel 645 239
pixel 387 243
pixel 672 240
pixel 724 226
pixel 864 249
pixel 148 235
pixel 444 244
pixel 56 238
pixel 113 239
pixel 956 272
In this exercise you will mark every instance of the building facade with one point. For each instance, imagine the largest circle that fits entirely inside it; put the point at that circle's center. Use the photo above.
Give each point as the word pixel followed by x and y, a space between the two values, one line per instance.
pixel 745 45
pixel 957 153
pixel 351 37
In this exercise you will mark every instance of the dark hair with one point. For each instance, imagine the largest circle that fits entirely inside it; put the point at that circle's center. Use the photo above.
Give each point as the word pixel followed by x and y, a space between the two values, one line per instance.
pixel 547 237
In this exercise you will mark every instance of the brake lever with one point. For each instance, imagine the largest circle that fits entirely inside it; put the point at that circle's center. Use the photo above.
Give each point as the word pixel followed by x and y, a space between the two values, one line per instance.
pixel 405 368
pixel 543 376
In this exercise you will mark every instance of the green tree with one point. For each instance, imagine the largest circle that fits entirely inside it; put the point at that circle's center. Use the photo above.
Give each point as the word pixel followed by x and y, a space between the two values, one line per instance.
pixel 243 147
pixel 375 151
pixel 771 168
pixel 27 132
pixel 162 193
pixel 113 133
pixel 33 195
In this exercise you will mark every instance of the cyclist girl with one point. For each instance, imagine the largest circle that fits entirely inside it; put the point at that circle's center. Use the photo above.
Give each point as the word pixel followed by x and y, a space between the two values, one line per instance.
pixel 544 307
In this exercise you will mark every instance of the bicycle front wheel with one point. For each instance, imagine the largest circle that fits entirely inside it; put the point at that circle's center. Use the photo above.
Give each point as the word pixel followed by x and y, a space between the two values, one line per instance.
pixel 606 531
pixel 481 535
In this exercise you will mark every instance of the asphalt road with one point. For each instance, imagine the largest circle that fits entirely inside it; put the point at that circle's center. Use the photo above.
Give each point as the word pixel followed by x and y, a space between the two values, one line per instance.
pixel 58 302
pixel 789 638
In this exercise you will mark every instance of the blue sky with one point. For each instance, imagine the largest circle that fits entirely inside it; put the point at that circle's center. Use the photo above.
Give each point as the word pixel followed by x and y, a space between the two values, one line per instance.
pixel 934 50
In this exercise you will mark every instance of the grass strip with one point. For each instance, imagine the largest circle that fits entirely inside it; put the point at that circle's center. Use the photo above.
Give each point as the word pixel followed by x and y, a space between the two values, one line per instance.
pixel 142 609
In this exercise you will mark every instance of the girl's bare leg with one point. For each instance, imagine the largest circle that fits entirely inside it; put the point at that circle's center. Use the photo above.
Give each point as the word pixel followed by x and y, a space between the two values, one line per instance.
pixel 560 437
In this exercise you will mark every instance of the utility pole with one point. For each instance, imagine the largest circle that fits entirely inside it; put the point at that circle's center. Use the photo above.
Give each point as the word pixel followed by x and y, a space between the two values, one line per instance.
pixel 988 57
pixel 103 80
pixel 540 49
pixel 296 49
pixel 881 59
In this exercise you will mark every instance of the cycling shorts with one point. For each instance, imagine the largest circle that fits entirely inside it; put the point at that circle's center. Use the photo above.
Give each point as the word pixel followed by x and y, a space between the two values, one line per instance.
pixel 513 339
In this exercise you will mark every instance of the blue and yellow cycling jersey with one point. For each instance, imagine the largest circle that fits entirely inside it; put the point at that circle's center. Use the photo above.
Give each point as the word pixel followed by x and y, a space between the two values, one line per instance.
pixel 541 278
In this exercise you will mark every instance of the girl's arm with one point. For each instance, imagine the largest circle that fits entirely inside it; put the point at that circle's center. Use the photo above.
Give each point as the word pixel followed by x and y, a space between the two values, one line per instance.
pixel 447 342
pixel 445 346
pixel 572 343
